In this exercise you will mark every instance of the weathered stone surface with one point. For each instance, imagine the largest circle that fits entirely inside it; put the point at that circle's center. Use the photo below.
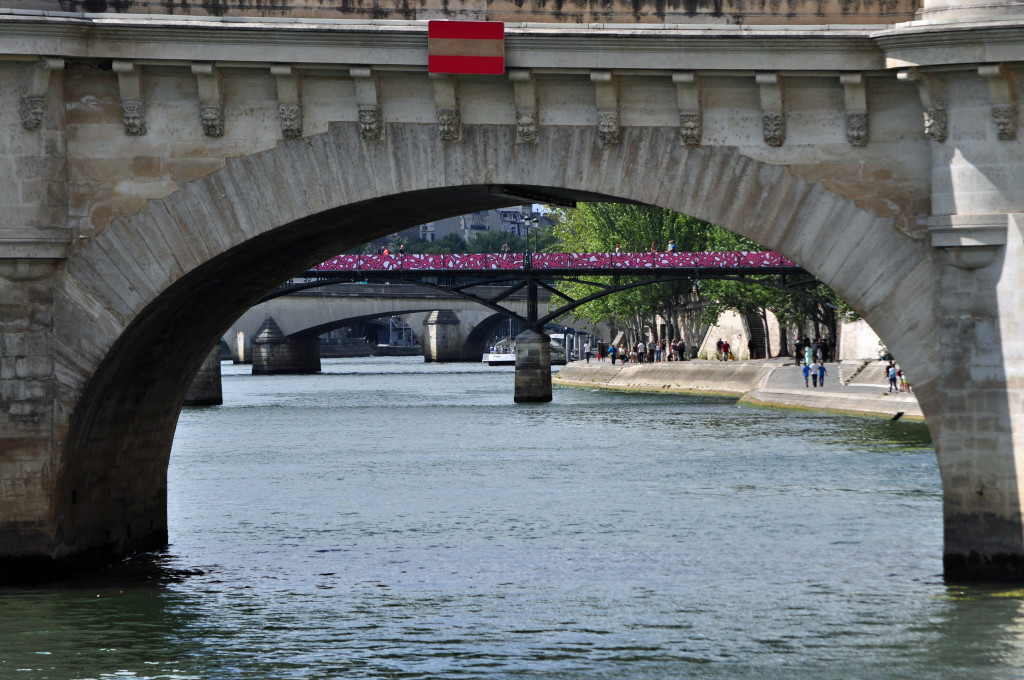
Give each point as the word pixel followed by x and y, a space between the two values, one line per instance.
pixel 206 387
pixel 442 337
pixel 273 353
pixel 533 368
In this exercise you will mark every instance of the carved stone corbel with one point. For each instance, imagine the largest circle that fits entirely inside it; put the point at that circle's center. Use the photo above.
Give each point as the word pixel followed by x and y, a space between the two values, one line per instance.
pixel 446 101
pixel 289 100
pixel 371 121
pixel 606 89
pixel 211 107
pixel 1002 94
pixel 970 241
pixel 33 94
pixel 932 91
pixel 527 112
pixel 773 110
pixel 691 107
pixel 133 108
pixel 855 94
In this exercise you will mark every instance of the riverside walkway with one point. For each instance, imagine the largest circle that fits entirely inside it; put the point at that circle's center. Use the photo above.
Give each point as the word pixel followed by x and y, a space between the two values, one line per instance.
pixel 851 387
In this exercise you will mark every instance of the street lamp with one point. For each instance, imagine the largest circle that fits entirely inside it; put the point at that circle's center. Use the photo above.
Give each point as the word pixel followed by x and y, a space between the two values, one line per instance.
pixel 531 221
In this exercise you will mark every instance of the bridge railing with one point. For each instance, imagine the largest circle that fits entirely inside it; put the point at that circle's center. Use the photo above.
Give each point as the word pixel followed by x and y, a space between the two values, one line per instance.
pixel 555 261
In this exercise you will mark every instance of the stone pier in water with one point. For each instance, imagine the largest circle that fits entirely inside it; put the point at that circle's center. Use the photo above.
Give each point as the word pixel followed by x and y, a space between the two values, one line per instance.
pixel 533 367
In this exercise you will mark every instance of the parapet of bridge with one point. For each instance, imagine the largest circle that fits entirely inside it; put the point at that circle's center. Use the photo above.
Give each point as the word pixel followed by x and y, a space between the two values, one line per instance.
pixel 166 171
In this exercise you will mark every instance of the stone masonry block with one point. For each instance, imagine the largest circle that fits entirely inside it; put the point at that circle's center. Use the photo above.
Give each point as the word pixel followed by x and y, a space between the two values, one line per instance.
pixel 34 367
pixel 39 167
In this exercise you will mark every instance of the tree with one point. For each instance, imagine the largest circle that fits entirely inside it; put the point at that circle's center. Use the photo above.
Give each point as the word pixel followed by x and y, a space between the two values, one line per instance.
pixel 492 241
pixel 690 306
pixel 603 227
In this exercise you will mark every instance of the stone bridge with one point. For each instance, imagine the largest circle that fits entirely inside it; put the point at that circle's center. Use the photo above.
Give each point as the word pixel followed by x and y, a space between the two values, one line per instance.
pixel 150 158
pixel 307 315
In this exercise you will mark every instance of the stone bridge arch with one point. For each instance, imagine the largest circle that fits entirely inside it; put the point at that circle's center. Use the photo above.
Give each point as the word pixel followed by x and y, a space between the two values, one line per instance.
pixel 264 217
pixel 305 316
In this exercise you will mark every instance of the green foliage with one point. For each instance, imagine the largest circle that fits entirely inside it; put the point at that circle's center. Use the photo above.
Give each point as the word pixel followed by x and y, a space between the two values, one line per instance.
pixel 603 227
pixel 449 244
pixel 491 242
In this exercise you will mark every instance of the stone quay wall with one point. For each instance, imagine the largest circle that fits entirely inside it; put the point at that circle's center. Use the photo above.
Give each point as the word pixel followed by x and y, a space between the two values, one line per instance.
pixel 852 388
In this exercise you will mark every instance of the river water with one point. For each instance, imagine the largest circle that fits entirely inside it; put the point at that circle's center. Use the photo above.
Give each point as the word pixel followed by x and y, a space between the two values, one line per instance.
pixel 395 519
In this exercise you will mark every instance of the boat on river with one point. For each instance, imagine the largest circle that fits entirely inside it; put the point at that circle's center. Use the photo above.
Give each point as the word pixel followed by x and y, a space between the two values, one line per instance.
pixel 503 353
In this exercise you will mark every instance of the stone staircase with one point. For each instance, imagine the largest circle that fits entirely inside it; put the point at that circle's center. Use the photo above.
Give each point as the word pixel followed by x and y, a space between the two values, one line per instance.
pixel 756 332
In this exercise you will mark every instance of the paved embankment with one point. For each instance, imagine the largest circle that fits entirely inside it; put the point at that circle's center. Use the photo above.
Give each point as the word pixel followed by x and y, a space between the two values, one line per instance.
pixel 850 387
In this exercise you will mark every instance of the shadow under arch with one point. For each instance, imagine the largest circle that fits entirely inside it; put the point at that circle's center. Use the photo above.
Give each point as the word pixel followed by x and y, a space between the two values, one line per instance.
pixel 194 261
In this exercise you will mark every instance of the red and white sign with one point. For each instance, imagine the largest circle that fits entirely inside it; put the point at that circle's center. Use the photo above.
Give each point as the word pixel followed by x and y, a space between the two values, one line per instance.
pixel 466 47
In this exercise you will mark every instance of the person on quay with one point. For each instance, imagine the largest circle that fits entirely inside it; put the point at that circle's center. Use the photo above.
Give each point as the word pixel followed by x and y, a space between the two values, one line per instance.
pixel 807 375
pixel 814 373
pixel 586 351
pixel 821 374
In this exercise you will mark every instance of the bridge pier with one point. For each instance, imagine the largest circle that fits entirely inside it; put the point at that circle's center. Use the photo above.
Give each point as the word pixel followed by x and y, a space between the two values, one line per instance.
pixel 274 353
pixel 241 354
pixel 206 387
pixel 976 405
pixel 442 340
pixel 533 367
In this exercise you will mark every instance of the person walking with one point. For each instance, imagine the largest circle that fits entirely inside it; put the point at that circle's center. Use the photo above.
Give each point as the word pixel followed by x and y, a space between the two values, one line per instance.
pixel 611 353
pixel 814 373
pixel 821 374
pixel 807 375
pixel 892 377
pixel 586 351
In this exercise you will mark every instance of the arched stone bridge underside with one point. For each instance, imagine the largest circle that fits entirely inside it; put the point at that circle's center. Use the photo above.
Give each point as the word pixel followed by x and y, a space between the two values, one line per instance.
pixel 152 160
pixel 308 315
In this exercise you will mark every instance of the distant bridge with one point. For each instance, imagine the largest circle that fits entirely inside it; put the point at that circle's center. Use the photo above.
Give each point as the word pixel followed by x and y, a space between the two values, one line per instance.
pixel 303 316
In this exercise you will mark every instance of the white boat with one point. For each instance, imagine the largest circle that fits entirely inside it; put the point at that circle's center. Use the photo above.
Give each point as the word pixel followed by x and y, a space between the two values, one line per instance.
pixel 503 353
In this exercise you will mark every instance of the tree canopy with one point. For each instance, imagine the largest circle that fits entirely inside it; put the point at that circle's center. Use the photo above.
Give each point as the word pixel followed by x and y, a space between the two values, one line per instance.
pixel 688 305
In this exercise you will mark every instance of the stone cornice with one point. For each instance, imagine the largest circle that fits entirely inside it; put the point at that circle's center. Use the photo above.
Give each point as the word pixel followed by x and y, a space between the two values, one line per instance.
pixel 404 43
pixel 952 43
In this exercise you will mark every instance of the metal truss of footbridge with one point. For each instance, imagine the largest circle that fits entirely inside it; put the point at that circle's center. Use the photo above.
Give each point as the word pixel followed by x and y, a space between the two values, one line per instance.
pixel 461 275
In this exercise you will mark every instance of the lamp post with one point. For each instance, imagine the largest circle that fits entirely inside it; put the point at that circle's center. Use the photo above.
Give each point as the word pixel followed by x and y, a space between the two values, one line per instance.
pixel 528 257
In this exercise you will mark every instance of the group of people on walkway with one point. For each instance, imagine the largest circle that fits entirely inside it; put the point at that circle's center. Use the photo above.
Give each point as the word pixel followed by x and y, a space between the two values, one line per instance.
pixel 723 350
pixel 897 378
pixel 815 372
pixel 641 353
pixel 807 351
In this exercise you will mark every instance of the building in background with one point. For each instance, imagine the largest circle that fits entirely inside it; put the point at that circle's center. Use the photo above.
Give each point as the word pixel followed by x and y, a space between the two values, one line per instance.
pixel 512 220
